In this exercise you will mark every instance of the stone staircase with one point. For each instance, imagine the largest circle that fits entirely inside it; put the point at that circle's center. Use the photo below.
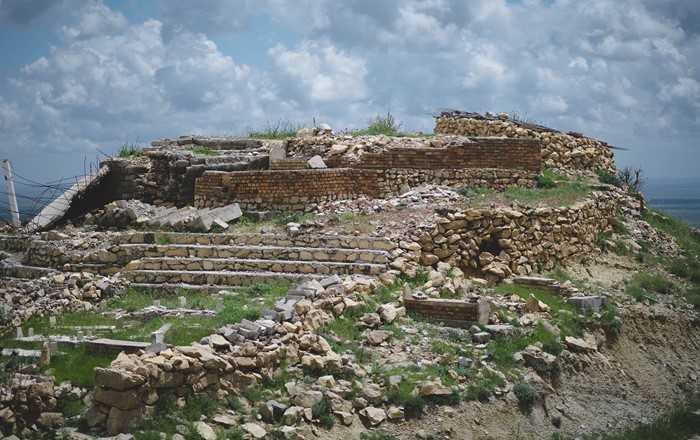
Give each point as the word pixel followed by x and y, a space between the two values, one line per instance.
pixel 212 262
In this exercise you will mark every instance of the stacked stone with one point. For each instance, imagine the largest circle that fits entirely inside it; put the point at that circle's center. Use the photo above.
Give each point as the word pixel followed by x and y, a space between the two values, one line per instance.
pixel 571 153
pixel 233 358
pixel 54 295
pixel 31 404
pixel 501 242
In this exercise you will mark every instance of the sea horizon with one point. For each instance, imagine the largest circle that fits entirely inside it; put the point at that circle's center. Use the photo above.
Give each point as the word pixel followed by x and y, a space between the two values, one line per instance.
pixel 677 196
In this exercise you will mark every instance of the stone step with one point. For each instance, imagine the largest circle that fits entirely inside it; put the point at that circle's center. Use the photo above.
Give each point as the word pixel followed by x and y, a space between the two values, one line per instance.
pixel 176 288
pixel 96 268
pixel 20 271
pixel 302 240
pixel 128 252
pixel 214 278
pixel 247 265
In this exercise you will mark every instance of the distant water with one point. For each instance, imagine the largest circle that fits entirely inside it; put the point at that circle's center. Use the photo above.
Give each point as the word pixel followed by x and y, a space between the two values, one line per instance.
pixel 29 204
pixel 679 196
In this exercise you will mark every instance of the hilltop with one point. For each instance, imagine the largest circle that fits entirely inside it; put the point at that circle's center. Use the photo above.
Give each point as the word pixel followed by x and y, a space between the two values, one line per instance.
pixel 496 279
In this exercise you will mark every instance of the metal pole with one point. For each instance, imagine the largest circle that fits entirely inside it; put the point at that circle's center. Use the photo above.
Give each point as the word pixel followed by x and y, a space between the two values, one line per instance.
pixel 11 193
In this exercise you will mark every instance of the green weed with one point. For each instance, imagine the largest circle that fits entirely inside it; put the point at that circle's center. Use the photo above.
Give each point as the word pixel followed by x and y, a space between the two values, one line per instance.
pixel 608 178
pixel 526 394
pixel 646 285
pixel 378 434
pixel 682 423
pixel 382 124
pixel 77 366
pixel 278 130
pixel 203 151
pixel 323 413
pixel 130 148
pixel 564 194
pixel 163 240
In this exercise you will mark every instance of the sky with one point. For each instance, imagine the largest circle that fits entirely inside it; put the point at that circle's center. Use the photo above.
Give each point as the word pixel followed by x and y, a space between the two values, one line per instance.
pixel 81 77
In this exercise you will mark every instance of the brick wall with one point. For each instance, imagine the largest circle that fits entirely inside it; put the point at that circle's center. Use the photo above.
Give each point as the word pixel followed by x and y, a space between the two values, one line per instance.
pixel 452 312
pixel 497 153
pixel 484 162
pixel 284 189
pixel 481 153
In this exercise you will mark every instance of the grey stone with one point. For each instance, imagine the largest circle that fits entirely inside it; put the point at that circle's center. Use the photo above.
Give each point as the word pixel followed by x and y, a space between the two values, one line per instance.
pixel 500 330
pixel 481 337
pixel 593 302
pixel 316 163
pixel 326 282
pixel 277 152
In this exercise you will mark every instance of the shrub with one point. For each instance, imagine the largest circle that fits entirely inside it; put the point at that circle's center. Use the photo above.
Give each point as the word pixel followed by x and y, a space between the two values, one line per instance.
pixel 632 178
pixel 545 182
pixel 323 413
pixel 608 178
pixel 601 240
pixel 525 393
pixel 384 124
pixel 547 178
pixel 478 392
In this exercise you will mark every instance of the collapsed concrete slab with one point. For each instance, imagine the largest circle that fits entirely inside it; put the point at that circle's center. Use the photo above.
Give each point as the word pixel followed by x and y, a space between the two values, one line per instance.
pixel 78 194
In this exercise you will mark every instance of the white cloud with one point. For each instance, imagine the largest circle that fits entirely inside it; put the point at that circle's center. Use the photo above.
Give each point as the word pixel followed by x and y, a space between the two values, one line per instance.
pixel 619 71
pixel 320 72
pixel 94 19
pixel 685 89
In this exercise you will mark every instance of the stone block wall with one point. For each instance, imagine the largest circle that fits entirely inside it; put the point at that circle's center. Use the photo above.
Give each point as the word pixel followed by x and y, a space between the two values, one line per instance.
pixel 499 242
pixel 570 152
pixel 394 179
pixel 284 189
pixel 123 180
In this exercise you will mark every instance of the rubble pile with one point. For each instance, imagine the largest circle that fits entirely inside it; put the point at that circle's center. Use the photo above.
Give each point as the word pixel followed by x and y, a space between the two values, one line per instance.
pixel 54 294
pixel 30 405
pixel 123 213
pixel 307 144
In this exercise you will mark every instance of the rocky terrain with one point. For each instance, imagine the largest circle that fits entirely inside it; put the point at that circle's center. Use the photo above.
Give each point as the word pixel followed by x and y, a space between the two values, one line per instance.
pixel 585 322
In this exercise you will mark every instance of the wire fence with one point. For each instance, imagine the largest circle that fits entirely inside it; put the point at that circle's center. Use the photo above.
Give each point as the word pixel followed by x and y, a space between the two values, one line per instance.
pixel 32 196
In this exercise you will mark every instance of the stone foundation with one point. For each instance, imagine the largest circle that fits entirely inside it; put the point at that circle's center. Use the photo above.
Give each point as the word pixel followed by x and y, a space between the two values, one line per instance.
pixel 569 152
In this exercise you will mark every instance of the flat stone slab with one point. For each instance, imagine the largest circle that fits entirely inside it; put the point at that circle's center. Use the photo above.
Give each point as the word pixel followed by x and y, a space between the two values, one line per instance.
pixel 592 302
pixel 21 352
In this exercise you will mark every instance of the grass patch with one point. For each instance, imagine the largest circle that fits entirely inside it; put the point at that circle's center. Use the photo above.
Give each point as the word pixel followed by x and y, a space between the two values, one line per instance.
pixel 564 316
pixel 281 129
pixel 281 218
pixel 608 178
pixel 549 178
pixel 130 148
pixel 681 423
pixel 564 194
pixel 77 366
pixel 404 394
pixel 647 286
pixel 378 434
pixel 323 413
pixel 686 265
pixel 203 151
